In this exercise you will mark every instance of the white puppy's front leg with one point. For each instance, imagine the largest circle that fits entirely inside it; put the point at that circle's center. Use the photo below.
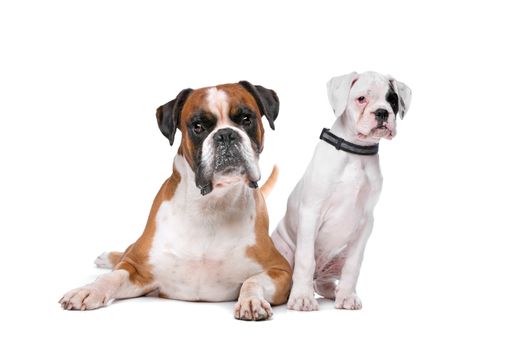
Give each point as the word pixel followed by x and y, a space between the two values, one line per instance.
pixel 302 294
pixel 346 295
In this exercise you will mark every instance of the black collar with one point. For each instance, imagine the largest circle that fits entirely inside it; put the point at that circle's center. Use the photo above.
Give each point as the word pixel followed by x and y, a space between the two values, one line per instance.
pixel 341 144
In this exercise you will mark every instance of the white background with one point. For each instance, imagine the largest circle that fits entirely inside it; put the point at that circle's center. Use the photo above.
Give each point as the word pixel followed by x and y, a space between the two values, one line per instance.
pixel 82 159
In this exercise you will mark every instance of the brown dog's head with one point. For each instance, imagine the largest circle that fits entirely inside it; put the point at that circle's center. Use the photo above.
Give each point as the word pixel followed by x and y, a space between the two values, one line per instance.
pixel 222 131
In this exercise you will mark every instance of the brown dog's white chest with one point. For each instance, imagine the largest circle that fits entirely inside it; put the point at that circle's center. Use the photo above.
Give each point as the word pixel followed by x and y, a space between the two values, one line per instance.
pixel 198 255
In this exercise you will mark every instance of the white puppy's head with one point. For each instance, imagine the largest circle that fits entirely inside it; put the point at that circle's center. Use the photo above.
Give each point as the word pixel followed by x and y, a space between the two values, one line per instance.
pixel 371 102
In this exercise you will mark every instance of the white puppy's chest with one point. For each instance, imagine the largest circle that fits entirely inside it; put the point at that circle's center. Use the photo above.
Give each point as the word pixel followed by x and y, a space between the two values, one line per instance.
pixel 201 257
pixel 349 205
pixel 354 192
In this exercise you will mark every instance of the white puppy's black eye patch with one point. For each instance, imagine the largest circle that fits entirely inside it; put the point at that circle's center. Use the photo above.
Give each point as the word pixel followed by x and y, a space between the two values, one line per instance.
pixel 393 99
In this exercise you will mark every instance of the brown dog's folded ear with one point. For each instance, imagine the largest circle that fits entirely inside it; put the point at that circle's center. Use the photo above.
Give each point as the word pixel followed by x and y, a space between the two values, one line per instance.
pixel 266 99
pixel 168 115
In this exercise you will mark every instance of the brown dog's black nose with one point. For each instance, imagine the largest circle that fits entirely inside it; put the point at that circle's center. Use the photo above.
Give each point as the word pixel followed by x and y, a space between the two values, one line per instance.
pixel 381 115
pixel 226 136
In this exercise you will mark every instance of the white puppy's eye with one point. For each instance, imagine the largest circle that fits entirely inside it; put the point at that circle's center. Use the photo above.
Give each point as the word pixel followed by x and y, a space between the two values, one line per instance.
pixel 361 99
pixel 198 128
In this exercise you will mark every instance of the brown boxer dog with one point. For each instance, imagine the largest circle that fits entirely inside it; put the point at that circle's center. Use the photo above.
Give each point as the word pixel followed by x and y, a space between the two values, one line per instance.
pixel 206 237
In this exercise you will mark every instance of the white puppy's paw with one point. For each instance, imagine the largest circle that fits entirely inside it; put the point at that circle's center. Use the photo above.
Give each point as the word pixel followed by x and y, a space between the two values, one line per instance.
pixel 84 298
pixel 348 301
pixel 303 301
pixel 252 309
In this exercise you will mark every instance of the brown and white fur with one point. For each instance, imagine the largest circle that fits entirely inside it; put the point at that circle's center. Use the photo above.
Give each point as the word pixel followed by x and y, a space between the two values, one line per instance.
pixel 206 237
pixel 330 212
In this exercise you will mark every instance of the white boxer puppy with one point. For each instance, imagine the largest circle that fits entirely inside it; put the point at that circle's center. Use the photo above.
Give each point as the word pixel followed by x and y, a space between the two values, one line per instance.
pixel 330 212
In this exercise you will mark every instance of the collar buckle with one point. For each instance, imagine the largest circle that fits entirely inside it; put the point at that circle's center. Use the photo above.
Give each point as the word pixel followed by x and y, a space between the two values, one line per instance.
pixel 339 143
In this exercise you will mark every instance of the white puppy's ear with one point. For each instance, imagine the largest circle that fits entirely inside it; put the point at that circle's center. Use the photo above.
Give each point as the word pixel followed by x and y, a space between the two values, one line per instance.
pixel 338 91
pixel 405 96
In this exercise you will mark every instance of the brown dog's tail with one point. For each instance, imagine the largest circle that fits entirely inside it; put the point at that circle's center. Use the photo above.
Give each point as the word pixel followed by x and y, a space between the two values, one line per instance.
pixel 270 182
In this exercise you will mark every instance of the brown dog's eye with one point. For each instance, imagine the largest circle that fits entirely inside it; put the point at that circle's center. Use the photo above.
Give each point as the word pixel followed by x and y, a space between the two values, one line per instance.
pixel 361 99
pixel 246 121
pixel 198 128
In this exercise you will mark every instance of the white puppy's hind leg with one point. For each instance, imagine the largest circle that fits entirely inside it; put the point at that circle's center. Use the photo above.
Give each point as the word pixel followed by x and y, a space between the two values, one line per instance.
pixel 325 288
pixel 283 246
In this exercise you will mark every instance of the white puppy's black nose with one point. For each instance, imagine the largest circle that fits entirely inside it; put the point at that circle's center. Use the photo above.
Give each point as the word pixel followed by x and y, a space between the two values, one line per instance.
pixel 226 136
pixel 381 115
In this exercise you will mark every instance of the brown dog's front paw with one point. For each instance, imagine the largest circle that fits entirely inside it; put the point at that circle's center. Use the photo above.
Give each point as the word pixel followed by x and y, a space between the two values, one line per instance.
pixel 84 298
pixel 252 309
